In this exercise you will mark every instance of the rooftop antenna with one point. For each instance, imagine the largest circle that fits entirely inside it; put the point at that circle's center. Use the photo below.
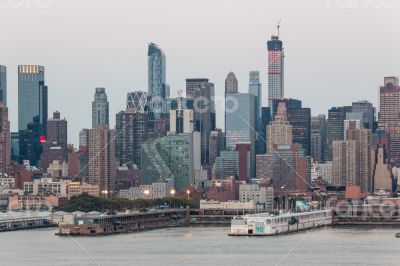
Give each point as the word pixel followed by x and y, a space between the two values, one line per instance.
pixel 278 25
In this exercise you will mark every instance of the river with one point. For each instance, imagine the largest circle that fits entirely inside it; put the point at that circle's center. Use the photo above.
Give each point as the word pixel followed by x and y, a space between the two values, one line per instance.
pixel 204 246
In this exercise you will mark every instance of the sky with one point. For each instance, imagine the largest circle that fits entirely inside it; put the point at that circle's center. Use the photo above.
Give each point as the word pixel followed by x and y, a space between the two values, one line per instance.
pixel 337 51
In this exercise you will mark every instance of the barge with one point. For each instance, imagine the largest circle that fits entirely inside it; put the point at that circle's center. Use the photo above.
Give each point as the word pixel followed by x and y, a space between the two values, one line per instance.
pixel 266 224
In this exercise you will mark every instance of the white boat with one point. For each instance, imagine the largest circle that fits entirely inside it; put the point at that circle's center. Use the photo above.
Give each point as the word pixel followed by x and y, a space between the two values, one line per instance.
pixel 266 224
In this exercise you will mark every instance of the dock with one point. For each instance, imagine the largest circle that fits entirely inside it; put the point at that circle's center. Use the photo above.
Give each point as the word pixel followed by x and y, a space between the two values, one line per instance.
pixel 25 223
pixel 103 224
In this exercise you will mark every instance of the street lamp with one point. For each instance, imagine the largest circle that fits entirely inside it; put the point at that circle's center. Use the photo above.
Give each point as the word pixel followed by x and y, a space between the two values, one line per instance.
pixel 173 192
pixel 146 193
pixel 188 193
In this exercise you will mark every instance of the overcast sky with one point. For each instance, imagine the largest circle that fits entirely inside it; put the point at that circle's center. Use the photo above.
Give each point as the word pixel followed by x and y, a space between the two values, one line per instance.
pixel 337 51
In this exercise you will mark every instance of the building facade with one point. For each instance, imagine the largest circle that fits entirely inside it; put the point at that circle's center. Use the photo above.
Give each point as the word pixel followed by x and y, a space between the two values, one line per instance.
pixel 158 90
pixel 275 69
pixel 3 84
pixel 100 108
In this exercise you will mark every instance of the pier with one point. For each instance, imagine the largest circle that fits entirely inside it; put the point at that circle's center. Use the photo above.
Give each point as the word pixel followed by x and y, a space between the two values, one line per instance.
pixel 102 224
pixel 25 223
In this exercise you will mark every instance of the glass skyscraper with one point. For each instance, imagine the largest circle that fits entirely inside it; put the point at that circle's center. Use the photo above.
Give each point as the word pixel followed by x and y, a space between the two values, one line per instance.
pixel 100 108
pixel 3 85
pixel 32 111
pixel 158 89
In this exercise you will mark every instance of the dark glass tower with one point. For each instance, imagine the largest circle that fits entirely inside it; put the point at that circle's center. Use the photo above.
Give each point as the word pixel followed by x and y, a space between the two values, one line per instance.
pixel 100 108
pixel 32 111
pixel 158 90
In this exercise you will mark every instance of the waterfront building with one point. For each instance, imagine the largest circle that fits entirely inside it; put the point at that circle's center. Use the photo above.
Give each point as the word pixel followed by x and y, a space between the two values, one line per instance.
pixel 389 116
pixel 102 166
pixel 275 69
pixel 32 112
pixel 78 188
pixel 46 187
pixel 202 93
pixel 3 84
pixel 157 190
pixel 100 108
pixel 261 196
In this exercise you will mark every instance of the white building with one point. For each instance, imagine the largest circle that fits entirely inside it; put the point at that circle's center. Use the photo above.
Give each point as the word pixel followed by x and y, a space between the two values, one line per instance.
pixel 228 205
pixel 324 170
pixel 46 186
pixel 262 196
pixel 153 191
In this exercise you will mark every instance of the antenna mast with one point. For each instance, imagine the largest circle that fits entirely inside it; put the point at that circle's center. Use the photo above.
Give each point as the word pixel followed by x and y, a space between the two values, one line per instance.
pixel 278 25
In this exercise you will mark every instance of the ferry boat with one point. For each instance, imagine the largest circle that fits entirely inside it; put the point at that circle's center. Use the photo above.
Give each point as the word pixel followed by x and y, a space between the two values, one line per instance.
pixel 266 224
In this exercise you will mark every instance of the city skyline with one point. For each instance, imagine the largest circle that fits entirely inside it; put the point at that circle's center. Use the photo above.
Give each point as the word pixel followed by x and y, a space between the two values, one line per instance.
pixel 125 69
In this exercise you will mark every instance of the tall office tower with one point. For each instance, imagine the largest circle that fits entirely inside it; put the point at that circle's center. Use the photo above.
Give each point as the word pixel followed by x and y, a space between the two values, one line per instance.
pixel 389 116
pixel 365 111
pixel 279 130
pixel 57 131
pixel 335 128
pixel 344 163
pixel 275 69
pixel 173 157
pixel 300 119
pixel 137 101
pixel 383 173
pixel 255 89
pixel 102 166
pixel 231 83
pixel 14 146
pixel 3 85
pixel 5 139
pixel 288 167
pixel 318 137
pixel 244 150
pixel 32 112
pixel 181 121
pixel 133 132
pixel 240 123
pixel 100 108
pixel 365 155
pixel 202 93
pixel 158 90
pixel 216 145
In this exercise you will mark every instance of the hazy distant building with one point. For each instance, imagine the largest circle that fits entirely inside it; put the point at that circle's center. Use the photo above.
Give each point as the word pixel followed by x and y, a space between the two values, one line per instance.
pixel 275 69
pixel 202 93
pixel 216 145
pixel 318 129
pixel 5 139
pixel 158 90
pixel 32 112
pixel 181 121
pixel 102 166
pixel 100 108
pixel 3 84
pixel 255 88
pixel 262 133
pixel 367 112
pixel 244 150
pixel 231 83
pixel 334 128
pixel 389 115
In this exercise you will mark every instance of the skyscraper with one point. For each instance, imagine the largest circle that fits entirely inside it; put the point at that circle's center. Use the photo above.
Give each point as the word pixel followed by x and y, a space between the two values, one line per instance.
pixel 275 69
pixel 5 139
pixel 3 84
pixel 102 166
pixel 231 83
pixel 158 90
pixel 202 93
pixel 240 123
pixel 57 131
pixel 367 113
pixel 255 88
pixel 279 131
pixel 32 111
pixel 389 115
pixel 318 137
pixel 100 108
pixel 344 163
pixel 335 128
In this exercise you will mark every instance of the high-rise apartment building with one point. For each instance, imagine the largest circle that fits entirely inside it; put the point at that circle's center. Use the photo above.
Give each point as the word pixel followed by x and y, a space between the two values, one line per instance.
pixel 202 93
pixel 100 108
pixel 32 112
pixel 158 89
pixel 102 166
pixel 389 115
pixel 216 145
pixel 275 69
pixel 335 128
pixel 3 85
pixel 344 164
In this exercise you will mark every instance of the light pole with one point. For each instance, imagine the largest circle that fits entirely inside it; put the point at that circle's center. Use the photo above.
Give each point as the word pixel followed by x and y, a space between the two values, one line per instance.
pixel 188 193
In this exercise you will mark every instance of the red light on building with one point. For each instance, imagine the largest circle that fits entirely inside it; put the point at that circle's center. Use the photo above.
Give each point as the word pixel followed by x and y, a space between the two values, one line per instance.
pixel 42 139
